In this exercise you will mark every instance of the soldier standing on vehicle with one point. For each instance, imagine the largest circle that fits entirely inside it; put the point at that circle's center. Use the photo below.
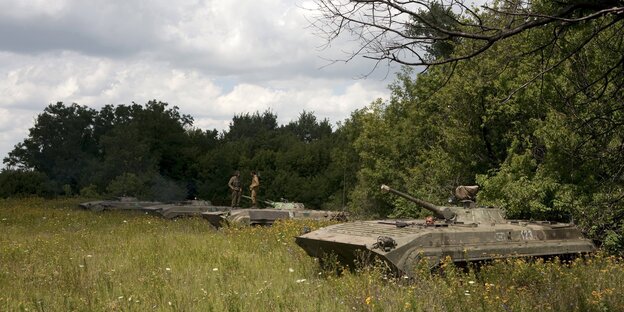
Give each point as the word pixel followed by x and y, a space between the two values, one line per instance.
pixel 235 186
pixel 255 185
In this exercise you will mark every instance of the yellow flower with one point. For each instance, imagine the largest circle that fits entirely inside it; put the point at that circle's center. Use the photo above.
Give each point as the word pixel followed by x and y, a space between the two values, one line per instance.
pixel 369 299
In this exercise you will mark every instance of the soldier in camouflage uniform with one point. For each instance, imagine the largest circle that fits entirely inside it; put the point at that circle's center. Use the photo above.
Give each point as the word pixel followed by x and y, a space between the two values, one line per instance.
pixel 235 186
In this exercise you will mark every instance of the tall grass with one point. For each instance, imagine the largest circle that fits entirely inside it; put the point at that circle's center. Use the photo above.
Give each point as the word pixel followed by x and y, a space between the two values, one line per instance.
pixel 56 257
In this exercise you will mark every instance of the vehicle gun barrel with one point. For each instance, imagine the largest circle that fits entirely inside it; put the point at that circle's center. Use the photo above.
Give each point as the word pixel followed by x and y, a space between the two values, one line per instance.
pixel 439 212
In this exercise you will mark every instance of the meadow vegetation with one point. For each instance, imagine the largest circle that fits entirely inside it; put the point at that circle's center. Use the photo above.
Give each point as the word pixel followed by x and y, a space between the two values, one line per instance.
pixel 56 257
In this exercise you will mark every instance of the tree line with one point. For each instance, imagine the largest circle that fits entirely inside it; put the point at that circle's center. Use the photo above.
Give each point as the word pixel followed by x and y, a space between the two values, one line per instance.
pixel 153 151
pixel 536 120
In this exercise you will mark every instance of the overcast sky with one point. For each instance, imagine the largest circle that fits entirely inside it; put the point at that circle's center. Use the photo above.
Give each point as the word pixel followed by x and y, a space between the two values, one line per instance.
pixel 211 58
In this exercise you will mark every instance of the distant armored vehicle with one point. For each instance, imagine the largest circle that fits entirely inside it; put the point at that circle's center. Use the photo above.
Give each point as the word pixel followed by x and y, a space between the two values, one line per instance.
pixel 464 234
pixel 121 203
pixel 267 216
pixel 185 208
pixel 284 204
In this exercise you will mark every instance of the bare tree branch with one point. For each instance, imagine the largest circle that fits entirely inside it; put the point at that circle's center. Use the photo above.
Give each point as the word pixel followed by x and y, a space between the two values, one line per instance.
pixel 383 27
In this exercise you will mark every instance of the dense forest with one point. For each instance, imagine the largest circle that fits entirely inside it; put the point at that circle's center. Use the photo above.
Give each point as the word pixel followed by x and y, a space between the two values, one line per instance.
pixel 152 151
pixel 537 121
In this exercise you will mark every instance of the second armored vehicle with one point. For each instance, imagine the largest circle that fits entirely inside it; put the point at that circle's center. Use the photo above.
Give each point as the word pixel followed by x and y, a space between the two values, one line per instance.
pixel 464 234
pixel 267 216
pixel 185 208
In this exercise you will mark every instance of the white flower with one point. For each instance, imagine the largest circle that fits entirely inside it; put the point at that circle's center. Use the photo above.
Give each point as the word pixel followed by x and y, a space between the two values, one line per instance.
pixel 471 282
pixel 291 270
pixel 215 269
pixel 89 256
pixel 301 280
pixel 167 269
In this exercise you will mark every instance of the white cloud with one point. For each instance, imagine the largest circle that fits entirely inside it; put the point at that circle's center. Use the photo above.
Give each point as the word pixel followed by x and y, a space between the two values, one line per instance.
pixel 213 59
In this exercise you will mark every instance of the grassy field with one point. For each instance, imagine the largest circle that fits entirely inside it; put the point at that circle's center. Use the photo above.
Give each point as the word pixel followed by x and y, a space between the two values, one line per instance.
pixel 56 257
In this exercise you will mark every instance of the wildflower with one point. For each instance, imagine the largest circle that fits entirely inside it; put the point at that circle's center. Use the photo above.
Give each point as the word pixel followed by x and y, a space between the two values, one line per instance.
pixel 471 282
pixel 167 269
pixel 215 269
pixel 169 302
pixel 120 297
pixel 81 265
pixel 291 270
pixel 369 299
pixel 125 221
pixel 301 280
pixel 89 256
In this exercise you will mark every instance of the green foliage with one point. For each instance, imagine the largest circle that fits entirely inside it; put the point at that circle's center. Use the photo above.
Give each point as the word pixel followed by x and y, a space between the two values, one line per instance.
pixel 24 183
pixel 67 190
pixel 59 145
pixel 542 141
pixel 89 191
pixel 440 17
pixel 152 151
pixel 127 184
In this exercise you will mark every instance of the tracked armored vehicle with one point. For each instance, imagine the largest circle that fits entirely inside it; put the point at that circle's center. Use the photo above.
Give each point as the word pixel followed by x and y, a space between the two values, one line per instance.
pixel 184 208
pixel 267 216
pixel 121 203
pixel 464 233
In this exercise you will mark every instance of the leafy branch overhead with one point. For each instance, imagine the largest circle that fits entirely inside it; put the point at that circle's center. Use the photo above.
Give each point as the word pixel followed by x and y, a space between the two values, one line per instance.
pixel 425 32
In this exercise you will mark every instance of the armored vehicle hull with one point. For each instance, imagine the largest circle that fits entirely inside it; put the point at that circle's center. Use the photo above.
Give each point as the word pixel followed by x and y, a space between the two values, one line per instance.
pixel 185 208
pixel 404 247
pixel 268 216
pixel 464 234
pixel 122 203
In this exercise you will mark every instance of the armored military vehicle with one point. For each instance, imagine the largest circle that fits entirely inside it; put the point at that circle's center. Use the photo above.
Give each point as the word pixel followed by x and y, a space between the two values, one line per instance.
pixel 464 233
pixel 267 216
pixel 284 204
pixel 185 208
pixel 120 203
